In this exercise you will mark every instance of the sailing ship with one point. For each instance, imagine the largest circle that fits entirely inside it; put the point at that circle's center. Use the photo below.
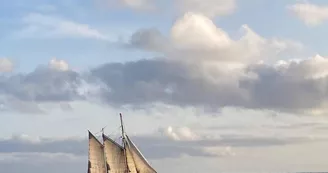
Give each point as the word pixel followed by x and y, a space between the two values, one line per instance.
pixel 111 157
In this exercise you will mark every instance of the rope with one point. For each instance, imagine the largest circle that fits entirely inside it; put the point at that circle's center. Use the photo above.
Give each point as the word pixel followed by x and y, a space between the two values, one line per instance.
pixel 103 129
pixel 114 131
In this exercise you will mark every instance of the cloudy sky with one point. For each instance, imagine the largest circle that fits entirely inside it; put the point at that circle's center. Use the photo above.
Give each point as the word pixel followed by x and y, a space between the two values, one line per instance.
pixel 204 85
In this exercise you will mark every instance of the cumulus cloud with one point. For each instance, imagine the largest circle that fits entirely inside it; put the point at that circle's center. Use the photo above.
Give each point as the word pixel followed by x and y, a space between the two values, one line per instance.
pixel 202 67
pixel 43 84
pixel 311 14
pixel 297 86
pixel 195 37
pixel 54 83
pixel 6 65
pixel 289 85
pixel 46 26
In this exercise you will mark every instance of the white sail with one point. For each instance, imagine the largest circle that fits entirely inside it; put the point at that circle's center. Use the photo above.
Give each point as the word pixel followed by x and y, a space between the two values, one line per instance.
pixel 114 154
pixel 140 162
pixel 96 156
pixel 130 159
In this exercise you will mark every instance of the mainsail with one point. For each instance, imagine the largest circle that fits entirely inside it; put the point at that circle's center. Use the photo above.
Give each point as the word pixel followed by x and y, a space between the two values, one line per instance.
pixel 96 156
pixel 114 154
pixel 140 161
pixel 111 157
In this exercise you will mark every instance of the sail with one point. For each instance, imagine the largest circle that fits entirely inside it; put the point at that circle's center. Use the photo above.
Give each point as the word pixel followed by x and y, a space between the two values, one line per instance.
pixel 140 162
pixel 110 157
pixel 130 160
pixel 96 156
pixel 114 154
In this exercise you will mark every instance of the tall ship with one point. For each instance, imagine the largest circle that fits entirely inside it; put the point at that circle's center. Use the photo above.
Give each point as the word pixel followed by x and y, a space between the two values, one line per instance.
pixel 109 156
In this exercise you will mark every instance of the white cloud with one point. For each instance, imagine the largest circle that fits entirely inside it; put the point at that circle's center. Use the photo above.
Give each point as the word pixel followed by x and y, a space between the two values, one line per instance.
pixel 195 37
pixel 40 26
pixel 310 14
pixel 46 157
pixel 210 8
pixel 57 64
pixel 26 138
pixel 312 68
pixel 196 31
pixel 180 133
pixel 40 162
pixel 214 71
pixel 140 5
pixel 220 151
pixel 6 65
pixel 243 69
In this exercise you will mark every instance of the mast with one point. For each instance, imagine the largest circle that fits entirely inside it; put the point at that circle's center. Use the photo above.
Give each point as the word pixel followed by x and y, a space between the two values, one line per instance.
pixel 122 128
pixel 123 143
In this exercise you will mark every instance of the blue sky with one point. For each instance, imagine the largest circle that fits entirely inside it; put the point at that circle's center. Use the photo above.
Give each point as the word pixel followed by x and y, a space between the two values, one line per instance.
pixel 268 19
pixel 78 51
pixel 221 83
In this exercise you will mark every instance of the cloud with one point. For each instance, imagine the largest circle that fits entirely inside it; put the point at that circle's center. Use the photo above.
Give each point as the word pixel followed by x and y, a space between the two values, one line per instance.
pixel 196 37
pixel 52 84
pixel 58 64
pixel 209 8
pixel 311 14
pixel 30 157
pixel 26 144
pixel 202 67
pixel 294 86
pixel 289 86
pixel 220 146
pixel 78 147
pixel 164 143
pixel 39 25
pixel 219 151
pixel 41 162
pixel 6 65
pixel 182 133
pixel 43 84
pixel 142 5
pixel 16 105
pixel 71 154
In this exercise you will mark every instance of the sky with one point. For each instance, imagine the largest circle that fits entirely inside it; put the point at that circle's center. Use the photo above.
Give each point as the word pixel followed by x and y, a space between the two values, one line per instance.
pixel 204 85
